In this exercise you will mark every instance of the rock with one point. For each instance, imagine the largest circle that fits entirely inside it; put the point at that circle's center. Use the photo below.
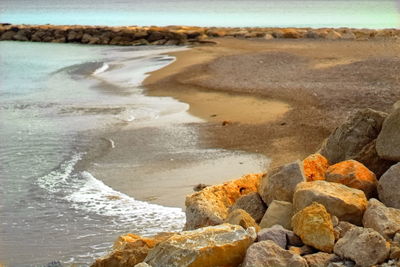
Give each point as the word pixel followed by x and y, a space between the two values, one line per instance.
pixel 388 141
pixel 342 263
pixel 320 259
pixel 276 234
pixel 333 35
pixel 365 246
pixel 348 204
pixel 268 36
pixel 394 252
pixel 353 174
pixel 382 219
pixel 129 250
pixel 342 228
pixel 335 221
pixel 22 35
pixel 349 36
pixel 221 245
pixel 142 264
pixel 210 205
pixel 315 167
pixel 396 238
pixel 8 35
pixel 252 204
pixel 281 183
pixel 313 225
pixel 278 212
pixel 303 250
pixel 242 218
pixel 348 140
pixel 389 187
pixel 269 254
pixel 293 239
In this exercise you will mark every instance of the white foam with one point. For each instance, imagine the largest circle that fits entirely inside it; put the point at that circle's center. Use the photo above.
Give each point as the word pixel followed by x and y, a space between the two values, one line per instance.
pixel 102 69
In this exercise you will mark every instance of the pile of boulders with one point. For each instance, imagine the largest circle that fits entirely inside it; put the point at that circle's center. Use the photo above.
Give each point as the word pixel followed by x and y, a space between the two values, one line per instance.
pixel 338 207
pixel 176 35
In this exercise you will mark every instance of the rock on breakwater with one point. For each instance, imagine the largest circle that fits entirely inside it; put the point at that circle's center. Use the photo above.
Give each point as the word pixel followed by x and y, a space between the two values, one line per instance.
pixel 175 35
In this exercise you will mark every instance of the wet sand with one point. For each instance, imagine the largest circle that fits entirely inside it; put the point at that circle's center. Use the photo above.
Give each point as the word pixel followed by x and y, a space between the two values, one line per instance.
pixel 310 87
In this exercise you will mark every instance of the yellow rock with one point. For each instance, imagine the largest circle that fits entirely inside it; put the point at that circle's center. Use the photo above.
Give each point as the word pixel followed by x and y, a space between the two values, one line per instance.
pixel 313 225
pixel 315 167
pixel 242 218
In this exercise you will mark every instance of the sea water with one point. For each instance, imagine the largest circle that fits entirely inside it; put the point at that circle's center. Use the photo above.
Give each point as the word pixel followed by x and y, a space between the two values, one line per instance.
pixel 232 13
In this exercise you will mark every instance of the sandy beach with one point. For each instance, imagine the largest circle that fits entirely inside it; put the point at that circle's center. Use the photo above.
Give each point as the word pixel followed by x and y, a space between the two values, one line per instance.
pixel 281 98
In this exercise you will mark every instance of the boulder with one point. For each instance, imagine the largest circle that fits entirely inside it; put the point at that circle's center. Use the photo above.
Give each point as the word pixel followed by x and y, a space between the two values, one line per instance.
pixel 353 174
pixel 315 167
pixel 242 218
pixel 348 204
pixel 388 141
pixel 276 234
pixel 269 254
pixel 129 250
pixel 382 219
pixel 252 204
pixel 210 205
pixel 278 212
pixel 348 140
pixel 348 35
pixel 221 245
pixel 365 246
pixel 8 35
pixel 22 35
pixel 333 35
pixel 342 228
pixel 320 259
pixel 313 225
pixel 281 182
pixel 389 187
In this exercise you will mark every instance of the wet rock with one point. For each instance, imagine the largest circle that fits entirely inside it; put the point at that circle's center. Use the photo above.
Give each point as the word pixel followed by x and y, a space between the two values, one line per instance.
pixel 313 225
pixel 242 218
pixel 389 187
pixel 210 205
pixel 222 245
pixel 269 254
pixel 129 250
pixel 278 212
pixel 252 204
pixel 315 167
pixel 348 140
pixel 388 141
pixel 382 219
pixel 275 233
pixel 365 246
pixel 320 259
pixel 353 174
pixel 281 182
pixel 348 204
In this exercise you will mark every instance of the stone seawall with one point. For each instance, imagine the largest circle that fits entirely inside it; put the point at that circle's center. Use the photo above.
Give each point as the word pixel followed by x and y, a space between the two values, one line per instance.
pixel 175 35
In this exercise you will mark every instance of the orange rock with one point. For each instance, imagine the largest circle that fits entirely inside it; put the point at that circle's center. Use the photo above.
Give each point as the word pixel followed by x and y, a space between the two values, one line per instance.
pixel 315 167
pixel 313 225
pixel 353 174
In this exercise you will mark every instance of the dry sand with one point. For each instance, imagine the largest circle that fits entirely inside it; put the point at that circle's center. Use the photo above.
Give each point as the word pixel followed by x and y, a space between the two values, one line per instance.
pixel 281 97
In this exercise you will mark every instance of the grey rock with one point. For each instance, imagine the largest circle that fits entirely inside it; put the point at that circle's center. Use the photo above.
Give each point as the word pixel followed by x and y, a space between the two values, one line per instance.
pixel 382 219
pixel 281 182
pixel 364 246
pixel 278 212
pixel 388 141
pixel 269 254
pixel 252 204
pixel 389 187
pixel 276 234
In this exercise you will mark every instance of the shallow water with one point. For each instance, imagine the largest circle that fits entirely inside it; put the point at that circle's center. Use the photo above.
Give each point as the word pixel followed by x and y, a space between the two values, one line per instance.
pixel 231 13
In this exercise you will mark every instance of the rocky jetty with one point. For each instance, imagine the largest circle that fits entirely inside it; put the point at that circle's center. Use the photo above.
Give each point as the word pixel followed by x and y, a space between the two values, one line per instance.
pixel 176 35
pixel 326 210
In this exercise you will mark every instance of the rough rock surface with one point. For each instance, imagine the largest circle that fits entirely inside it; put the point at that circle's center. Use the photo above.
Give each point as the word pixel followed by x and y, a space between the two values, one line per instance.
pixel 221 245
pixel 388 141
pixel 342 228
pixel 348 204
pixel 382 219
pixel 315 167
pixel 348 140
pixel 242 218
pixel 278 212
pixel 275 233
pixel 353 174
pixel 281 182
pixel 210 205
pixel 303 250
pixel 365 246
pixel 252 204
pixel 129 250
pixel 389 187
pixel 320 259
pixel 269 254
pixel 313 225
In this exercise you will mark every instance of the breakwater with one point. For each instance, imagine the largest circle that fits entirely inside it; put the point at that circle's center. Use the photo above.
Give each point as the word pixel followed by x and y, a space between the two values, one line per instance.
pixel 176 35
